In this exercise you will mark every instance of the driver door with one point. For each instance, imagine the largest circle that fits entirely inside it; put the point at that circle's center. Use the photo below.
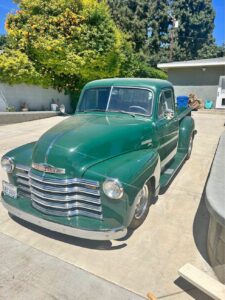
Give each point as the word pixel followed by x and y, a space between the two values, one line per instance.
pixel 167 126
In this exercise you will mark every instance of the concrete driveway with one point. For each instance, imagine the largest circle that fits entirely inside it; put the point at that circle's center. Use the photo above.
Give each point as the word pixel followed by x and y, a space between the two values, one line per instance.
pixel 173 234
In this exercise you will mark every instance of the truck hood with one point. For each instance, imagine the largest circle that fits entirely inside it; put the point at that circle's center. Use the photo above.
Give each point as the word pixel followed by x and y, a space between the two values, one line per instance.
pixel 86 139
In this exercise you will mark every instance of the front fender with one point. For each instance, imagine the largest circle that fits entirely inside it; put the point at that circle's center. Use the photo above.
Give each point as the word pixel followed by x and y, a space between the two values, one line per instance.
pixel 132 170
pixel 20 155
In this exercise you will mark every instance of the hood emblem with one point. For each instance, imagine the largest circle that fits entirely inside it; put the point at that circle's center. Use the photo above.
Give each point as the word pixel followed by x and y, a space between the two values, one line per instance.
pixel 48 169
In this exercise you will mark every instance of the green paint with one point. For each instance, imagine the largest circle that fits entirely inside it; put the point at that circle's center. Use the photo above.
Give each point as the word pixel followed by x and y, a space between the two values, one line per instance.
pixel 100 145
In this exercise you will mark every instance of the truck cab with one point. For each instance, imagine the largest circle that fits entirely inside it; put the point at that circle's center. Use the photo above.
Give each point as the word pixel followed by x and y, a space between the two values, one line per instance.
pixel 96 174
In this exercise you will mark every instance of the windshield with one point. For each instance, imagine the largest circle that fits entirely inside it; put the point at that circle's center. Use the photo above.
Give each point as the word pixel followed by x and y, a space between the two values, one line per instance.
pixel 117 99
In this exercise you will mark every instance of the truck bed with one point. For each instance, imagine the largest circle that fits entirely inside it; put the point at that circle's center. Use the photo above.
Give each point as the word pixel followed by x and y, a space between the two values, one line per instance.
pixel 183 113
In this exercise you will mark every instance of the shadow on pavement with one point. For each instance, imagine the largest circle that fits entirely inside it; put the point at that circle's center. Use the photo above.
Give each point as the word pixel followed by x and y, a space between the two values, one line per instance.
pixel 200 228
pixel 200 233
pixel 191 290
pixel 91 244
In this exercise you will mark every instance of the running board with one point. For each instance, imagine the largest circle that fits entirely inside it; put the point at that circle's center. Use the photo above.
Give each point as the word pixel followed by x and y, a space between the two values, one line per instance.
pixel 171 170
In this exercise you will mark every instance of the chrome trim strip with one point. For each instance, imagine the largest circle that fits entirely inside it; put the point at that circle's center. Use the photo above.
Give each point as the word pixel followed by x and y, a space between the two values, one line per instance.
pixel 24 194
pixel 70 213
pixel 23 188
pixel 66 206
pixel 113 234
pixel 66 198
pixel 147 142
pixel 170 141
pixel 24 182
pixel 22 167
pixel 55 181
pixel 63 190
pixel 23 175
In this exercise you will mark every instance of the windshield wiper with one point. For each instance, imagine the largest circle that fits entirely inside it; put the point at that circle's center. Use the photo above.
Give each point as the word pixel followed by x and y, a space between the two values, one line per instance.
pixel 123 112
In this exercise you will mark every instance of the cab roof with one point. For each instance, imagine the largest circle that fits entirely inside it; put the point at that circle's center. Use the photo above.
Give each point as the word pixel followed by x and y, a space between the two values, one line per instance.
pixel 134 82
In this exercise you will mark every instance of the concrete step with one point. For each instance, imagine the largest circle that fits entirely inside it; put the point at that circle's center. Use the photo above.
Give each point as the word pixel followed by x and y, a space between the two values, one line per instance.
pixel 18 117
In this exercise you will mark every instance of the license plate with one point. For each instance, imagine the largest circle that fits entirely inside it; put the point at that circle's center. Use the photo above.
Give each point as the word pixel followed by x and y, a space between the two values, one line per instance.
pixel 9 189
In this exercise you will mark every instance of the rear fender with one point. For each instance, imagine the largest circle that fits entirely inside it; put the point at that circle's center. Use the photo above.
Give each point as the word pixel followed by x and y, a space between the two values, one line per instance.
pixel 186 130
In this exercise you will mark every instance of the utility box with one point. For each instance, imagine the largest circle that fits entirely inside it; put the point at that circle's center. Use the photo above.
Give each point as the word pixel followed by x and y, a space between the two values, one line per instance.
pixel 220 100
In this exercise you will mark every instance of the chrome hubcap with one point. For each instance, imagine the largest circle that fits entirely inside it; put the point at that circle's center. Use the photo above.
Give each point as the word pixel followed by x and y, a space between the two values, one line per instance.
pixel 142 202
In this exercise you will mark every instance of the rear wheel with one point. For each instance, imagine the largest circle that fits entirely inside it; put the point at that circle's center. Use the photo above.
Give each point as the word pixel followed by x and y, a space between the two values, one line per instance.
pixel 142 201
pixel 190 147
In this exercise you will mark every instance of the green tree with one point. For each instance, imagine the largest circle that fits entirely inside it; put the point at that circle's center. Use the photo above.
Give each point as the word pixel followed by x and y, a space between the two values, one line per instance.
pixel 132 17
pixel 66 42
pixel 2 41
pixel 150 26
pixel 146 23
pixel 159 22
pixel 211 51
pixel 194 36
pixel 15 67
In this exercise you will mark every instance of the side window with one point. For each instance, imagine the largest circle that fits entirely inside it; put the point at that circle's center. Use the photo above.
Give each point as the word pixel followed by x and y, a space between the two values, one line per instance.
pixel 166 104
pixel 161 109
pixel 169 100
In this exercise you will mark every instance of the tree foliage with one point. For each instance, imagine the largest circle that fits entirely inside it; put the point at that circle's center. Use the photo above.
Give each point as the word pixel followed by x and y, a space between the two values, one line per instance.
pixel 132 17
pixel 159 22
pixel 3 41
pixel 65 43
pixel 150 26
pixel 66 40
pixel 16 67
pixel 194 37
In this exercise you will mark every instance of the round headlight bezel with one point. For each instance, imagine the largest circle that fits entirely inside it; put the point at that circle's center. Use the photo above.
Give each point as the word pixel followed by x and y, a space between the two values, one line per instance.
pixel 10 164
pixel 108 192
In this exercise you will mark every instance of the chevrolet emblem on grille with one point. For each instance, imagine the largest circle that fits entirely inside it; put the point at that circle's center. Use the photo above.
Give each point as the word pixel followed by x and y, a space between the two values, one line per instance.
pixel 48 169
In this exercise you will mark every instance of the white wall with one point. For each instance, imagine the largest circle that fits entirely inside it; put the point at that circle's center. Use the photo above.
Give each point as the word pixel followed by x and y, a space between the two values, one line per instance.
pixel 37 98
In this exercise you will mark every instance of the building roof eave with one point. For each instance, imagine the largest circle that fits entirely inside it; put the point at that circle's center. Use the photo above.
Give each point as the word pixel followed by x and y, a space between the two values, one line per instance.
pixel 193 63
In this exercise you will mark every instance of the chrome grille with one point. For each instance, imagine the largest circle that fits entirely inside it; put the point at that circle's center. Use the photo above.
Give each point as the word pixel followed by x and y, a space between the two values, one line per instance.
pixel 60 197
pixel 23 182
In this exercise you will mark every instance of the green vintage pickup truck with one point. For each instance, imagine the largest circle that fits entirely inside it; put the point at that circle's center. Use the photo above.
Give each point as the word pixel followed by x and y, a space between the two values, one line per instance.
pixel 95 174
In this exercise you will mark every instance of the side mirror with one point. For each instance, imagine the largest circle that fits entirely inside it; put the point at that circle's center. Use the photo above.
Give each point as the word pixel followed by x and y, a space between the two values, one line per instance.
pixel 62 108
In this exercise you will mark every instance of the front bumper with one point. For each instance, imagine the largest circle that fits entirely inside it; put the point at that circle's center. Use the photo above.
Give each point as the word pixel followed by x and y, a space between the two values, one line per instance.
pixel 112 234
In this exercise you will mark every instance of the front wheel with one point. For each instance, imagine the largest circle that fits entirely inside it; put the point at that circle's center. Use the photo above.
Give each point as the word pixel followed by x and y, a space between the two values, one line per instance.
pixel 142 201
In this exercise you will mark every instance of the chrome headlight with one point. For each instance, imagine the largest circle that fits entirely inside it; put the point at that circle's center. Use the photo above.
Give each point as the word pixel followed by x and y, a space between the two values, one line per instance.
pixel 113 188
pixel 7 164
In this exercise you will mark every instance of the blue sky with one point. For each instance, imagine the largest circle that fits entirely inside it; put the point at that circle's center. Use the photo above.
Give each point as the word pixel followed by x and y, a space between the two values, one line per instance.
pixel 219 31
pixel 7 6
